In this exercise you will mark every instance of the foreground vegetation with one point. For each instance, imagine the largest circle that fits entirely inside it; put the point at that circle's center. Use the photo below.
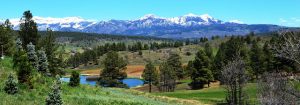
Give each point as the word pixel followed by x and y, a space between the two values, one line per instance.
pixel 82 95
pixel 213 95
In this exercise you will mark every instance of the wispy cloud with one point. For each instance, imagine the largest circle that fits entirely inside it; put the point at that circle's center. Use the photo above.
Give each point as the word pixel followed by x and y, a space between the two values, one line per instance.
pixel 293 22
pixel 236 21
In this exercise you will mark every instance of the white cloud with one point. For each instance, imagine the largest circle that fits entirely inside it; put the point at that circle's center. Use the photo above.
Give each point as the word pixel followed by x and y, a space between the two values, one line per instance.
pixel 292 22
pixel 236 21
pixel 282 20
pixel 296 19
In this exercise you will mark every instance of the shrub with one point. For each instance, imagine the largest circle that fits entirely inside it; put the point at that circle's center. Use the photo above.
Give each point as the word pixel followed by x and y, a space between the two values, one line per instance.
pixel 188 53
pixel 11 85
pixel 140 53
pixel 75 79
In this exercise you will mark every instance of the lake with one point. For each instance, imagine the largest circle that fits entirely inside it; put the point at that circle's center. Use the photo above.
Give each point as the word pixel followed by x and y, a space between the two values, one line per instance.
pixel 130 82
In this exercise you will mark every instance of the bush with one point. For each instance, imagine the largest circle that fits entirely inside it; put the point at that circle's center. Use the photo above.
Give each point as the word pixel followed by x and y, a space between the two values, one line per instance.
pixel 188 53
pixel 140 53
pixel 198 83
pixel 75 79
pixel 11 85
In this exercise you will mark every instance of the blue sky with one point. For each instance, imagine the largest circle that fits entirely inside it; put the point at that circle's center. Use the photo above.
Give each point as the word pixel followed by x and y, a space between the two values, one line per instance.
pixel 281 12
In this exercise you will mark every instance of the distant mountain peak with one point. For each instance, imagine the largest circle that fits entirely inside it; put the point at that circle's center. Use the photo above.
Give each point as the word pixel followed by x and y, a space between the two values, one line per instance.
pixel 186 26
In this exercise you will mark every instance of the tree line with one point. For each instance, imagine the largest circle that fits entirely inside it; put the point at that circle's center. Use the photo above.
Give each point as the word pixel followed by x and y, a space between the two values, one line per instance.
pixel 93 54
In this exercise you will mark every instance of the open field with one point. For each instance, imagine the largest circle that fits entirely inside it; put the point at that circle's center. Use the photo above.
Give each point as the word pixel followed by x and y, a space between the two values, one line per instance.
pixel 212 95
pixel 131 70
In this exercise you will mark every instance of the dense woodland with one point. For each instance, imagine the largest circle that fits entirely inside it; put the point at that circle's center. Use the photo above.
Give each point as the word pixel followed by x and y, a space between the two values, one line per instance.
pixel 236 62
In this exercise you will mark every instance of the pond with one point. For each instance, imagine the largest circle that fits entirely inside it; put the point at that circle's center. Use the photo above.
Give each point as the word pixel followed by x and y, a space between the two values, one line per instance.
pixel 130 82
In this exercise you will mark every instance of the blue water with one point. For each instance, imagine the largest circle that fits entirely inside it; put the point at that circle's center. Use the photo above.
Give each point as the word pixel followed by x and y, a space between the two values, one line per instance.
pixel 82 80
pixel 130 82
pixel 133 82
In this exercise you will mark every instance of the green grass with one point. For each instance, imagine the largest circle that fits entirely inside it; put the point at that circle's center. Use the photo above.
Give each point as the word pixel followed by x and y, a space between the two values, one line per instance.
pixel 82 95
pixel 211 95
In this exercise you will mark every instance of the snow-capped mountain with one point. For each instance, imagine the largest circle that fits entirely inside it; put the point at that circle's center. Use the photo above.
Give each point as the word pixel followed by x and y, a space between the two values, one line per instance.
pixel 57 24
pixel 187 26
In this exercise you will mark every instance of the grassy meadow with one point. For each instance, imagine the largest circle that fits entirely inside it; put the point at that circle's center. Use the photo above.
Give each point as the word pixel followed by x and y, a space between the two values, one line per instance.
pixel 82 95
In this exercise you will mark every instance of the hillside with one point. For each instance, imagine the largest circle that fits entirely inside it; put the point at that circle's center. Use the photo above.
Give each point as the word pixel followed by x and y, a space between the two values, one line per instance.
pixel 83 95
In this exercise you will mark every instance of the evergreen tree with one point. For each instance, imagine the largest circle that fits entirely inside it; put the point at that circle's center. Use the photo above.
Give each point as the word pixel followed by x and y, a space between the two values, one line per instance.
pixel 42 62
pixel 209 51
pixel 167 78
pixel 150 75
pixel 270 60
pixel 257 59
pixel 18 53
pixel 51 50
pixel 114 70
pixel 11 85
pixel 248 39
pixel 187 42
pixel 273 63
pixel 6 38
pixel 54 97
pixel 28 30
pixel 75 79
pixel 22 65
pixel 24 69
pixel 227 51
pixel 202 74
pixel 219 61
pixel 32 56
pixel 189 68
pixel 175 64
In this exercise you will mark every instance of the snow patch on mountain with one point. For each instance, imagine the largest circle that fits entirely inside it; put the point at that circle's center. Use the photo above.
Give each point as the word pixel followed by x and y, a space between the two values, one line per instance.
pixel 57 23
pixel 186 26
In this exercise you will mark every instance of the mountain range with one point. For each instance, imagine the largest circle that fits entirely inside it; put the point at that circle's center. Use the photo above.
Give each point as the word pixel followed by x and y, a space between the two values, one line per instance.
pixel 187 26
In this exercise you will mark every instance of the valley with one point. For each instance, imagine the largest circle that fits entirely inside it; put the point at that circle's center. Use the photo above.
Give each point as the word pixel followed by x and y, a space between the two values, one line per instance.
pixel 158 52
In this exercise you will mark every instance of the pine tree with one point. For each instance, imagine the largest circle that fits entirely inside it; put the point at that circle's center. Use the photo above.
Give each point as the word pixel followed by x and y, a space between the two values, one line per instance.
pixel 227 51
pixel 150 75
pixel 22 65
pixel 114 70
pixel 176 65
pixel 6 38
pixel 209 51
pixel 42 62
pixel 32 56
pixel 28 30
pixel 24 70
pixel 11 85
pixel 54 97
pixel 18 53
pixel 167 78
pixel 201 73
pixel 75 79
pixel 257 59
pixel 51 50
pixel 189 68
pixel 219 61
